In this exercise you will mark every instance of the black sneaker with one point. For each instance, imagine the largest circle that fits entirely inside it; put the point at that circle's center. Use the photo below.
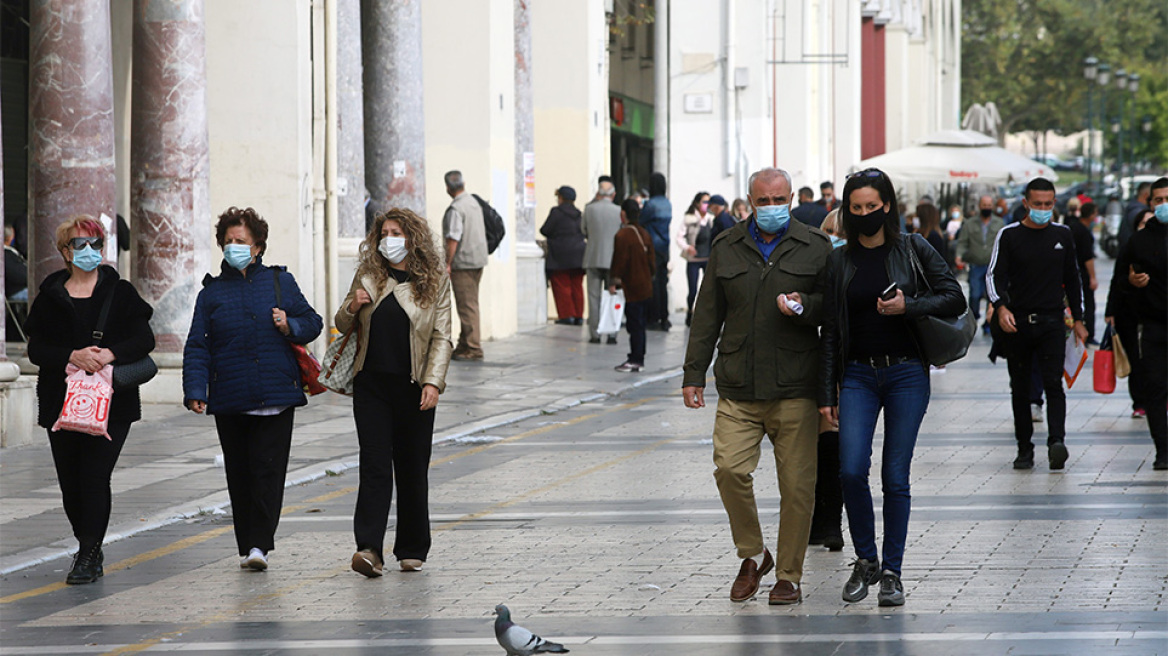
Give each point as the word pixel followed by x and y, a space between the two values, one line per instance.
pixel 1160 464
pixel 891 590
pixel 1025 459
pixel 1057 453
pixel 611 339
pixel 834 541
pixel 864 574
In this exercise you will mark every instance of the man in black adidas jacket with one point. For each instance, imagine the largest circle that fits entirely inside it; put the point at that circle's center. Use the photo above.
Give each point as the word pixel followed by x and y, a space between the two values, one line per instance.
pixel 1033 276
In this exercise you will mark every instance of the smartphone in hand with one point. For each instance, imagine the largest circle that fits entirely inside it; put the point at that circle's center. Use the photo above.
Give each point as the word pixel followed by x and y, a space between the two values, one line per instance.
pixel 889 293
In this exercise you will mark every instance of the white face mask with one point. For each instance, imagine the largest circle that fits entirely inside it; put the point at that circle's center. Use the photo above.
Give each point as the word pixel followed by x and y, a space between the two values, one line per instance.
pixel 393 248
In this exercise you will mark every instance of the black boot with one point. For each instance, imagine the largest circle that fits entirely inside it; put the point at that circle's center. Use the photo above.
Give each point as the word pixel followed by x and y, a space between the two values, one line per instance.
pixel 87 566
pixel 829 501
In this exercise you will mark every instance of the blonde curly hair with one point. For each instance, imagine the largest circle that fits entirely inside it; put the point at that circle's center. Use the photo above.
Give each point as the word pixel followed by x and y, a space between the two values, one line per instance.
pixel 424 262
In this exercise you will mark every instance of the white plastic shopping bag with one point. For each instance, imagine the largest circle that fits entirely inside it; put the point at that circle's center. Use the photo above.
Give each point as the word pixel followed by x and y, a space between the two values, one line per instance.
pixel 612 312
pixel 87 401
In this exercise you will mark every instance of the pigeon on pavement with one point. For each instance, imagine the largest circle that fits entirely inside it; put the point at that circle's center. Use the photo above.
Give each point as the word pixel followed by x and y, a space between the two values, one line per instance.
pixel 517 640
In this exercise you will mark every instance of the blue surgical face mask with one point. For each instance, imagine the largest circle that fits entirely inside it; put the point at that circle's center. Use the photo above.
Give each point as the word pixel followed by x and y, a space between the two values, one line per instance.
pixel 86 258
pixel 836 242
pixel 772 218
pixel 238 256
pixel 1041 217
pixel 1162 212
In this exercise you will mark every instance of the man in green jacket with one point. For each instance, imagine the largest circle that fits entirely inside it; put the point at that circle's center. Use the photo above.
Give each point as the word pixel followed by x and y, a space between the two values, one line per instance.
pixel 760 303
pixel 975 244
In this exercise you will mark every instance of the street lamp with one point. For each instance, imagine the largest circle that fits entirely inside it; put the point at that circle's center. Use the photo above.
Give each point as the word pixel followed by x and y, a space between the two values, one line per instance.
pixel 1090 70
pixel 1103 77
pixel 1121 84
pixel 1133 85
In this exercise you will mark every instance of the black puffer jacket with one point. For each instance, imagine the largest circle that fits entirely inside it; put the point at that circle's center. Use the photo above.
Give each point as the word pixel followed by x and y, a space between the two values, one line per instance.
pixel 55 331
pixel 945 301
pixel 565 239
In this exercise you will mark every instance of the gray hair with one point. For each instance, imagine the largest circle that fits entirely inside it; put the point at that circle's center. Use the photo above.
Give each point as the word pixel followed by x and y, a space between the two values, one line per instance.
pixel 768 172
pixel 606 190
pixel 454 181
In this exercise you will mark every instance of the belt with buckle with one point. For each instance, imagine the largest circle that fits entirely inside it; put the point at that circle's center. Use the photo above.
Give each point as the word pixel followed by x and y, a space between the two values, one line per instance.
pixel 882 361
pixel 1039 317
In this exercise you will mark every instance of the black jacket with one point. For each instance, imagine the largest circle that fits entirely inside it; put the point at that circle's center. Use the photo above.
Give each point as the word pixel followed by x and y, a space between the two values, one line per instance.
pixel 1148 251
pixel 565 238
pixel 55 331
pixel 946 300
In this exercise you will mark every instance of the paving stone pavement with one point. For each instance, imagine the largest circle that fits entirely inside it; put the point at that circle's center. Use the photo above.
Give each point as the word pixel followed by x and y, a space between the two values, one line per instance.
pixel 599 524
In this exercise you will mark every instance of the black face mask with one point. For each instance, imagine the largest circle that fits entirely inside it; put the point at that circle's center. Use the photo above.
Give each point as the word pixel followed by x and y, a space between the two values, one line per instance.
pixel 985 214
pixel 870 223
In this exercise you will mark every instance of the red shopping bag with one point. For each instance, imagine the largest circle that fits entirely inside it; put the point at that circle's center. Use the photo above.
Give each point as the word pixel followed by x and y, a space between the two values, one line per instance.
pixel 87 401
pixel 1104 370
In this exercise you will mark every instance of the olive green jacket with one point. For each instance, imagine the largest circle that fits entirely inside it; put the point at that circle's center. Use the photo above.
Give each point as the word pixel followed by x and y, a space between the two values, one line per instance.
pixel 762 354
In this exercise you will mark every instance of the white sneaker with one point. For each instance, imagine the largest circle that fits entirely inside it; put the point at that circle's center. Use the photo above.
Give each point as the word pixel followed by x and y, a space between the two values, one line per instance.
pixel 255 560
pixel 1036 413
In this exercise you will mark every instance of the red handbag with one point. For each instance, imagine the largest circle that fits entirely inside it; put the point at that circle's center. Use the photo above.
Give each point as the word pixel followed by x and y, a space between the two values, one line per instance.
pixel 307 363
pixel 1104 366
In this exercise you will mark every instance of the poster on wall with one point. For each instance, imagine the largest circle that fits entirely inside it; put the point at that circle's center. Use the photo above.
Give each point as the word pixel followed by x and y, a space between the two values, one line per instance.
pixel 529 180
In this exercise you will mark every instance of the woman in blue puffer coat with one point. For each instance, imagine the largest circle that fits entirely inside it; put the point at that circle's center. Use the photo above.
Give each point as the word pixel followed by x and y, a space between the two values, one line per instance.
pixel 238 365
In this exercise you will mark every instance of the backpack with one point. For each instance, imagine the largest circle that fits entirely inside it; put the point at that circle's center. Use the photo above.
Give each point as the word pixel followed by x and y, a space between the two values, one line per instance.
pixel 493 224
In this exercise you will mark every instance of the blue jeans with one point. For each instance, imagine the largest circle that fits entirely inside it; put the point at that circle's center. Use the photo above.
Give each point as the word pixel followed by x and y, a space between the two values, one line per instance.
pixel 903 391
pixel 977 287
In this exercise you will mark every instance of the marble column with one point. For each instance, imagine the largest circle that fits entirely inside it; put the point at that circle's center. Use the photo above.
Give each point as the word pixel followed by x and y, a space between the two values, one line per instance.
pixel 395 143
pixel 3 315
pixel 71 126
pixel 350 120
pixel 531 291
pixel 169 161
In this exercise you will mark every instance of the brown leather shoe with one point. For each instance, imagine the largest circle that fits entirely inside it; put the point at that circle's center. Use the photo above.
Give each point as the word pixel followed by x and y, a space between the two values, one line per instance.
pixel 785 593
pixel 749 577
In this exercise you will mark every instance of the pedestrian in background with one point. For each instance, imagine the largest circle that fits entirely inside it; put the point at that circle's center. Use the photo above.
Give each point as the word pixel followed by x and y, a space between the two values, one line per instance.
pixel 1122 313
pixel 809 211
pixel 740 210
pixel 722 219
pixel 827 197
pixel 656 218
pixel 600 223
pixel 827 518
pixel 930 229
pixel 1033 267
pixel 871 362
pixel 466 256
pixel 565 257
pixel 694 239
pixel 975 244
pixel 1143 263
pixel 400 298
pixel 1080 222
pixel 633 261
pixel 238 365
pixel 60 327
pixel 766 376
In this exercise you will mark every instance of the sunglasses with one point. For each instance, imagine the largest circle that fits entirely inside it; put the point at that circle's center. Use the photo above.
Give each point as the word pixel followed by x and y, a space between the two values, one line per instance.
pixel 77 243
pixel 869 173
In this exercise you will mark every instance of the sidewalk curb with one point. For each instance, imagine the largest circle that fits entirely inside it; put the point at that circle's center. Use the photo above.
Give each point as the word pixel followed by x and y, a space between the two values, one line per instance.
pixel 217 501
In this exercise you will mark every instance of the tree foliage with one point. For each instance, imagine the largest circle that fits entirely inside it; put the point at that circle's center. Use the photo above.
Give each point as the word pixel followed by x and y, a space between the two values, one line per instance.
pixel 1027 57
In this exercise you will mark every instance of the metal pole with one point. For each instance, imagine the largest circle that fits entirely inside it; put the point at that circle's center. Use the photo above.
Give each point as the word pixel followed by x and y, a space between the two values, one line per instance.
pixel 1090 138
pixel 661 88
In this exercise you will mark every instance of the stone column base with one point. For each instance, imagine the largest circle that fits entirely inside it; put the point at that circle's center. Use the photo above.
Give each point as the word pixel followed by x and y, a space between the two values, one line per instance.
pixel 531 286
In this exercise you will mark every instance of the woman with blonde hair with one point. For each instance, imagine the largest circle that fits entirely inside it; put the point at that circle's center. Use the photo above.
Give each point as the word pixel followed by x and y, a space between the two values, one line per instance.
pixel 400 303
pixel 61 325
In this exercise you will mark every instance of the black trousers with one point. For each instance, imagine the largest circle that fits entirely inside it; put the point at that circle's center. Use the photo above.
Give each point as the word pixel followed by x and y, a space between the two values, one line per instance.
pixel 1127 326
pixel 395 438
pixel 84 465
pixel 255 456
pixel 659 306
pixel 1088 307
pixel 1153 361
pixel 1047 340
pixel 829 497
pixel 635 325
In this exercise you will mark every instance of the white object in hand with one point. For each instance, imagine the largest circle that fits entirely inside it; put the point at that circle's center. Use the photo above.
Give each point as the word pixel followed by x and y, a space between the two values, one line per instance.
pixel 795 306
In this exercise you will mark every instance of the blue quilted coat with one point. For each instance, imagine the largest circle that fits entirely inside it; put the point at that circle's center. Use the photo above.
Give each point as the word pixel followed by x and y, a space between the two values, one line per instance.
pixel 235 359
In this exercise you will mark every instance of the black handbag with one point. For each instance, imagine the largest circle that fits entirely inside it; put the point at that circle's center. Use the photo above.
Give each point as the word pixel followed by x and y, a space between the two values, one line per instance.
pixel 131 374
pixel 942 339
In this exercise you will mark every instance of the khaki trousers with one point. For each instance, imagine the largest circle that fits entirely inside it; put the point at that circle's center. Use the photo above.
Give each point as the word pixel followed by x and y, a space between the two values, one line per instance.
pixel 792 427
pixel 465 284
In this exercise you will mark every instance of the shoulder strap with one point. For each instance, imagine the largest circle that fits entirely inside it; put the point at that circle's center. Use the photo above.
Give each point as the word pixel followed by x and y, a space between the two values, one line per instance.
pixel 916 263
pixel 99 327
pixel 639 237
pixel 276 280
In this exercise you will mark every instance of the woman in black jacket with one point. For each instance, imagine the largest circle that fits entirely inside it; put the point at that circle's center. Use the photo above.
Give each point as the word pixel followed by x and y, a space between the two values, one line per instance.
pixel 565 257
pixel 871 360
pixel 61 324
